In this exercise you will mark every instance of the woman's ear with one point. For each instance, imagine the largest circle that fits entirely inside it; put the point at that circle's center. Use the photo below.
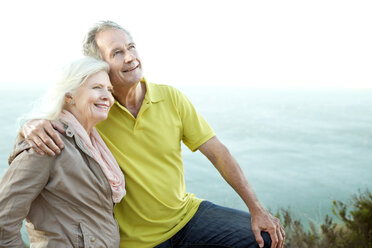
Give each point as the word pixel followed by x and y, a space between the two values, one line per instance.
pixel 69 99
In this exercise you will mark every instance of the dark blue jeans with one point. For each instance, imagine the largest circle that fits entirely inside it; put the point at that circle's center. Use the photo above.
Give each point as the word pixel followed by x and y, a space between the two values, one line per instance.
pixel 216 226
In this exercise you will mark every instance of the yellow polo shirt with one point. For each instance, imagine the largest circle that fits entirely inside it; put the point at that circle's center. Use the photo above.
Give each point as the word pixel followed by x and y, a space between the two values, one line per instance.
pixel 148 150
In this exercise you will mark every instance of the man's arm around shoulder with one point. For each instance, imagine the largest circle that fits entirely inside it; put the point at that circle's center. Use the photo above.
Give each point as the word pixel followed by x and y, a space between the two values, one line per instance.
pixel 43 137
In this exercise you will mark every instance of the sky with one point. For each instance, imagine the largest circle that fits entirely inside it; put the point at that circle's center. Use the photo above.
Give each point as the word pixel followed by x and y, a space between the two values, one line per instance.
pixel 289 43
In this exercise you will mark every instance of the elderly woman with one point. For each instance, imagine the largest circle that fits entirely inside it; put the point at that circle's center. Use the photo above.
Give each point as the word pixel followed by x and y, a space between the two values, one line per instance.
pixel 67 200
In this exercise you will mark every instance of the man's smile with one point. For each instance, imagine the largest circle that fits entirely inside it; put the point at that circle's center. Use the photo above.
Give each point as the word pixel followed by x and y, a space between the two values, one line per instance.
pixel 132 69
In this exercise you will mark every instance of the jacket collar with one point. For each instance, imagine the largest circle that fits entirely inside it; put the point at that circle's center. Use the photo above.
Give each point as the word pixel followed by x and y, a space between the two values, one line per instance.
pixel 71 133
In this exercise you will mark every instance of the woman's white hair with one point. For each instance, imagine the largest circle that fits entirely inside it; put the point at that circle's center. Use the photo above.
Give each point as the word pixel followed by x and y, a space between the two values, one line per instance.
pixel 73 76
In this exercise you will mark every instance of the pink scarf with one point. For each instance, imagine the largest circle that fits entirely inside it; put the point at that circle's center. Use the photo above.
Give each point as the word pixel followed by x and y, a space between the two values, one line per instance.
pixel 101 154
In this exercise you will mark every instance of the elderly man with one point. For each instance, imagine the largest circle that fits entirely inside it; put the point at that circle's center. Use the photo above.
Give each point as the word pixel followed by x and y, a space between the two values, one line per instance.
pixel 144 130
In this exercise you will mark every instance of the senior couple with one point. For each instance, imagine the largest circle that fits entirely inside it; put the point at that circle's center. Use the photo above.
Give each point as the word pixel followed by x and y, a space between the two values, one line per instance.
pixel 102 119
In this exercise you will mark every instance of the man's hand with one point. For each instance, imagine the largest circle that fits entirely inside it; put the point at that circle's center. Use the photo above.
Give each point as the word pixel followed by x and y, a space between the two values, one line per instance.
pixel 42 136
pixel 230 170
pixel 264 221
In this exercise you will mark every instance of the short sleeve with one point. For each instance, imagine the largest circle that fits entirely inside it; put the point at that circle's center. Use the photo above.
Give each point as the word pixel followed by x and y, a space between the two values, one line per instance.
pixel 196 130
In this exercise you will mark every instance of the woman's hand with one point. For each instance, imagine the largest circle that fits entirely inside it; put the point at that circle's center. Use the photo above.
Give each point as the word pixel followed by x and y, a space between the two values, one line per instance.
pixel 43 137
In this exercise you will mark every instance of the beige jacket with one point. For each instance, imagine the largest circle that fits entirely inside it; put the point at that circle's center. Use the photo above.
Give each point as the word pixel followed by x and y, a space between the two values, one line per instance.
pixel 65 199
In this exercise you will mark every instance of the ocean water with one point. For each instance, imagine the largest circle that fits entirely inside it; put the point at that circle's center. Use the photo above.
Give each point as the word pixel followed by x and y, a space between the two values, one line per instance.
pixel 299 148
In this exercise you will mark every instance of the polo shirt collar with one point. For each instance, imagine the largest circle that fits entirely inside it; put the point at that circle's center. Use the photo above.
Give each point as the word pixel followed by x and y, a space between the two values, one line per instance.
pixel 152 93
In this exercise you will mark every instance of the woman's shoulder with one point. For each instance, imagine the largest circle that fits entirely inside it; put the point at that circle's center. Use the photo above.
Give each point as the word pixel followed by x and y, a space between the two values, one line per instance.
pixel 22 148
pixel 23 155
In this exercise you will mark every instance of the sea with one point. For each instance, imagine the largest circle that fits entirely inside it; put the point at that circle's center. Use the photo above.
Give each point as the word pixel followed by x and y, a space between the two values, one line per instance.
pixel 300 149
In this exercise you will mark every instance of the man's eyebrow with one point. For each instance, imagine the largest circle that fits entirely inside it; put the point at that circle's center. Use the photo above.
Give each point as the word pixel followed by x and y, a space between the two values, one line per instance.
pixel 115 48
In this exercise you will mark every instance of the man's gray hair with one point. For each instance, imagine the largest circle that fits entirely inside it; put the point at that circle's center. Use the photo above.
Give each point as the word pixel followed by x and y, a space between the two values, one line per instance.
pixel 90 47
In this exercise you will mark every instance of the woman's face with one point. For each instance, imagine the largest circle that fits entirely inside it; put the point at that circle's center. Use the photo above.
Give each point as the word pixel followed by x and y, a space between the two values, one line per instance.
pixel 92 100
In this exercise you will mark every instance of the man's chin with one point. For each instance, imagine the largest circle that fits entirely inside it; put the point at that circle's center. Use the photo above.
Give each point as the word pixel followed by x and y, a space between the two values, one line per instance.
pixel 135 75
pixel 135 78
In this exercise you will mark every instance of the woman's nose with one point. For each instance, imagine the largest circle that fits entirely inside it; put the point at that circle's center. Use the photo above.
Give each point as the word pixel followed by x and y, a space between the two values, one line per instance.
pixel 107 95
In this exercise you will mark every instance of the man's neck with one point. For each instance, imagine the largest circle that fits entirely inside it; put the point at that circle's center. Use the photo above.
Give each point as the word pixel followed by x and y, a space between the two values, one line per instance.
pixel 131 97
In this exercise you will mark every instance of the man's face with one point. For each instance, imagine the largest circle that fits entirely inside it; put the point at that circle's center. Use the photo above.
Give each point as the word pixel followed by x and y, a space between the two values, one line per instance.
pixel 119 51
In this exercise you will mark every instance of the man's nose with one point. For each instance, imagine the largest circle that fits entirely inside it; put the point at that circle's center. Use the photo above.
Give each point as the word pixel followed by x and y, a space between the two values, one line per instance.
pixel 128 58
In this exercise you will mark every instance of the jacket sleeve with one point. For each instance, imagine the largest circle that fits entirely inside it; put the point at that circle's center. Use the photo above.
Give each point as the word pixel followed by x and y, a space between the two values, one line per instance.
pixel 20 185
